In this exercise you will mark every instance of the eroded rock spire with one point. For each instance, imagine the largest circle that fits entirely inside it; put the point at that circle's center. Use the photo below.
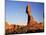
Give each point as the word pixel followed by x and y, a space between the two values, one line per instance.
pixel 28 11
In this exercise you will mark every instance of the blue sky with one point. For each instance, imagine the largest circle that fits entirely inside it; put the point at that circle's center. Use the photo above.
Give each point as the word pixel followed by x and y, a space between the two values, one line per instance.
pixel 16 11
